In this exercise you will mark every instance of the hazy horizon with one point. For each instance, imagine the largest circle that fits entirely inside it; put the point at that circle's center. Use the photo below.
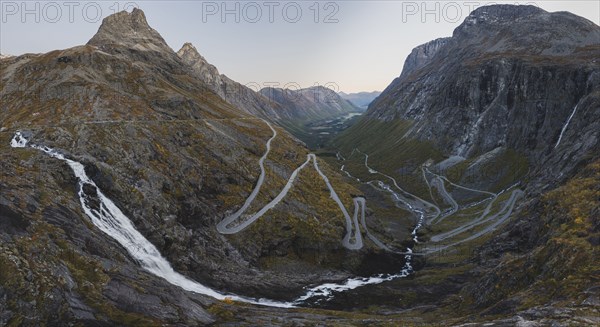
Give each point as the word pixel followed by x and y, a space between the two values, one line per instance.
pixel 356 46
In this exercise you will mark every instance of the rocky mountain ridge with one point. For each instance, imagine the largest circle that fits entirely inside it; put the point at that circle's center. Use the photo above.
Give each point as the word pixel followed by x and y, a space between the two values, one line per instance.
pixel 309 104
pixel 231 91
pixel 277 105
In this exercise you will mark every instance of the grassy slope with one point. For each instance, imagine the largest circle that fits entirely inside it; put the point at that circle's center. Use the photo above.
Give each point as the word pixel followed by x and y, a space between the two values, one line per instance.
pixel 388 152
pixel 564 261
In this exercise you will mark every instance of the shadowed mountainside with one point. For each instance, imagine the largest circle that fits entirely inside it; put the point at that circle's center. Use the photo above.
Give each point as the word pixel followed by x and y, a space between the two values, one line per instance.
pixel 511 99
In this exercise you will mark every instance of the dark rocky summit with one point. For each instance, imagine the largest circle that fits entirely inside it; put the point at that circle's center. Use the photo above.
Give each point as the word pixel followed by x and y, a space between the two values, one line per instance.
pixel 130 30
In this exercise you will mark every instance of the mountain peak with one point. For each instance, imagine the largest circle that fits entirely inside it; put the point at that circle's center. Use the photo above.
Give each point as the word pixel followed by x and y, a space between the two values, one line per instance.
pixel 189 52
pixel 506 12
pixel 498 15
pixel 128 29
pixel 187 46
pixel 207 72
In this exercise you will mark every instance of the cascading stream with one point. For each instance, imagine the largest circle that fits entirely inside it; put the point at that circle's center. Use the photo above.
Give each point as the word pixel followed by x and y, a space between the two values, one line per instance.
pixel 105 215
pixel 566 125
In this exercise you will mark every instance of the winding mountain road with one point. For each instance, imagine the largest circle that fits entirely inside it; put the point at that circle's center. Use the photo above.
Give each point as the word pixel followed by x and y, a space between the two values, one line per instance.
pixel 438 183
pixel 230 225
pixel 410 199
pixel 505 211
pixel 482 219
pixel 419 207
pixel 494 219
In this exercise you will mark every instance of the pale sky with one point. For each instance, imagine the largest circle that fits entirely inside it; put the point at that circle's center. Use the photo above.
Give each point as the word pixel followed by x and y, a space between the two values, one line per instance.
pixel 356 45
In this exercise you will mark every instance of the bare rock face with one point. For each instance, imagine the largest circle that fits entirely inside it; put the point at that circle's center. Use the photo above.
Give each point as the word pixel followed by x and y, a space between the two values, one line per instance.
pixel 207 72
pixel 510 76
pixel 129 29
pixel 422 54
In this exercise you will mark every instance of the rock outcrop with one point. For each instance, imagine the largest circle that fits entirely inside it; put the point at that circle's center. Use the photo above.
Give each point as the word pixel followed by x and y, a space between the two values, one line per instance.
pixel 130 30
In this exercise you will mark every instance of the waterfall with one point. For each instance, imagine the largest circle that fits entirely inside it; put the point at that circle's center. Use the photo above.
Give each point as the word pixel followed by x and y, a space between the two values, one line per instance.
pixel 562 132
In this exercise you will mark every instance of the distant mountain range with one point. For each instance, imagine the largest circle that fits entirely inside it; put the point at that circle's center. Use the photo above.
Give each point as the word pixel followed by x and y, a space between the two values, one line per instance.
pixel 275 104
pixel 360 99
pixel 310 104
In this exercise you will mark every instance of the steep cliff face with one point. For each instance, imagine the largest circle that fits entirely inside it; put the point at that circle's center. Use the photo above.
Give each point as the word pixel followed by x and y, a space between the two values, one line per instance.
pixel 422 54
pixel 510 77
pixel 511 99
